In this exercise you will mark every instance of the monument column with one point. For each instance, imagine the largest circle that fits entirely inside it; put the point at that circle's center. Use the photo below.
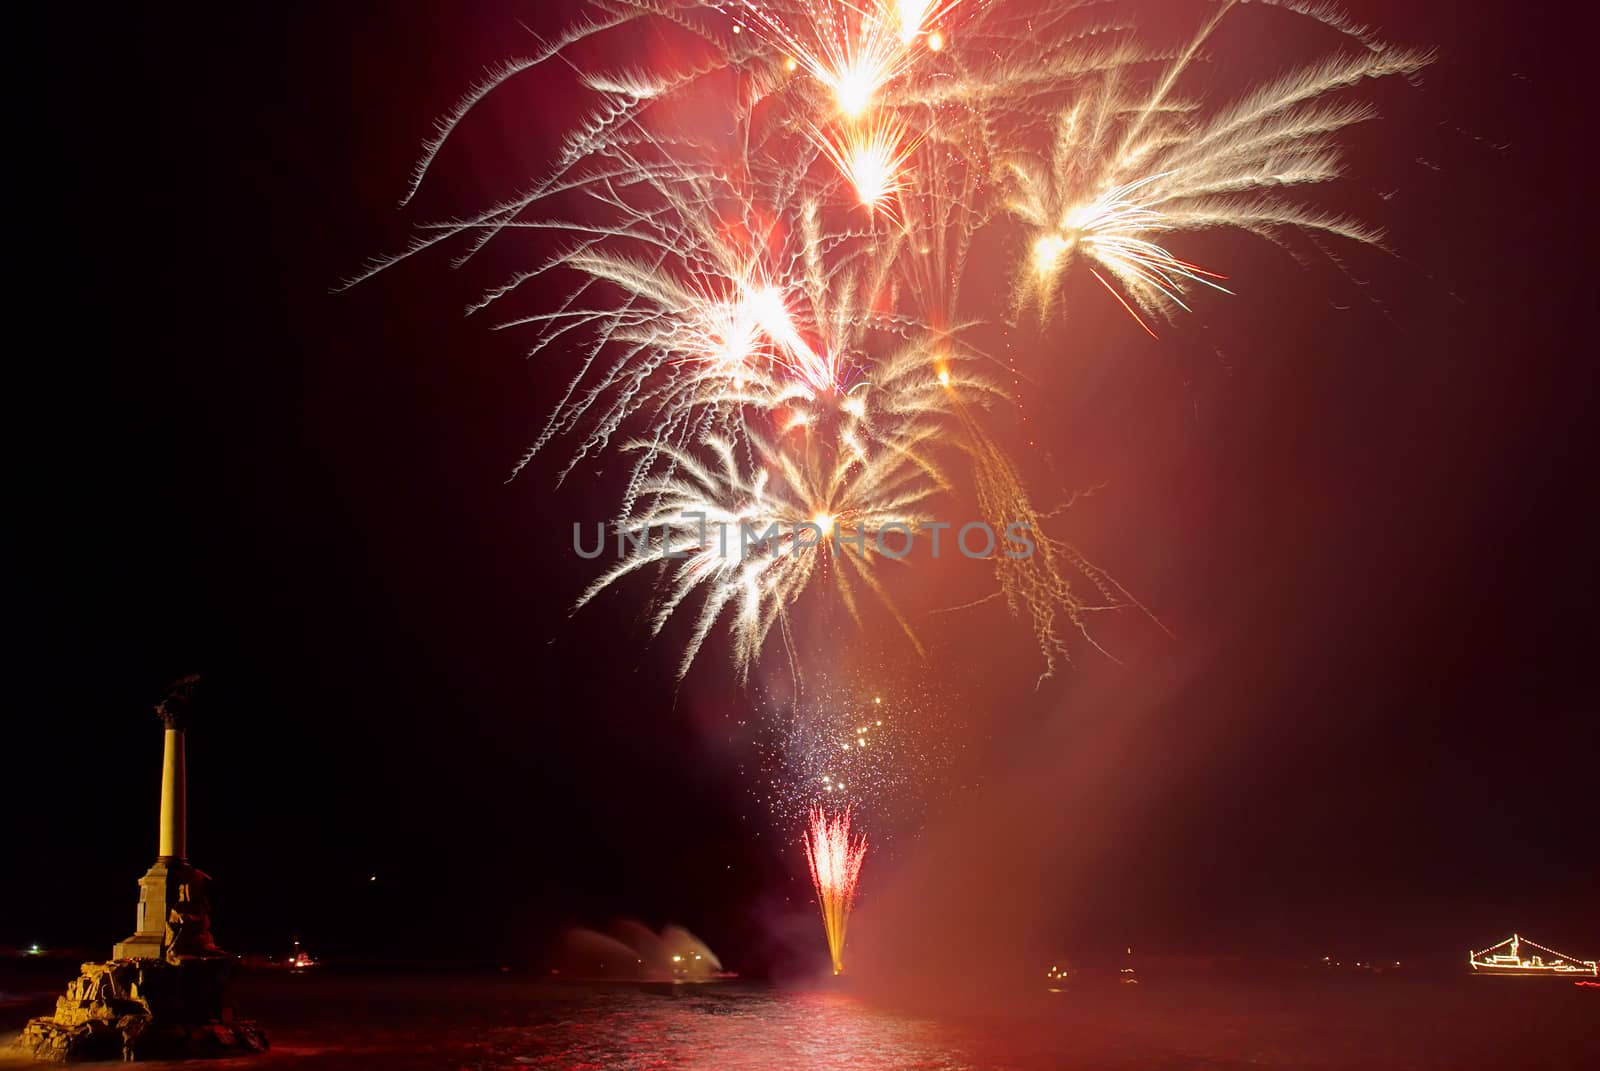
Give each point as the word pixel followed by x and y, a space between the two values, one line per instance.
pixel 171 891
pixel 174 815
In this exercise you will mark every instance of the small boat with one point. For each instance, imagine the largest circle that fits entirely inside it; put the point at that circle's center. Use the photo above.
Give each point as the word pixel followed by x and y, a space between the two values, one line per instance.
pixel 1506 959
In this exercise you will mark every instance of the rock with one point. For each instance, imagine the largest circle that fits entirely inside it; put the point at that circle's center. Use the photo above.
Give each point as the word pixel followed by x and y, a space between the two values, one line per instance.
pixel 143 1010
pixel 47 1040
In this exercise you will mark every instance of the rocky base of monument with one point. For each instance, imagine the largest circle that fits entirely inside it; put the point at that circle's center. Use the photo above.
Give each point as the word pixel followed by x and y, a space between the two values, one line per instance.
pixel 143 1010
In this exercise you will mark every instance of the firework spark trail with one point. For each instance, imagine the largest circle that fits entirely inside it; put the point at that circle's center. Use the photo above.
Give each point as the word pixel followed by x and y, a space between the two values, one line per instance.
pixel 725 294
pixel 835 859
pixel 1040 586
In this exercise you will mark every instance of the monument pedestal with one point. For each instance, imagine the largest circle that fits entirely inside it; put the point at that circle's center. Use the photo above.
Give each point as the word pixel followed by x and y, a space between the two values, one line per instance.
pixel 173 918
pixel 149 938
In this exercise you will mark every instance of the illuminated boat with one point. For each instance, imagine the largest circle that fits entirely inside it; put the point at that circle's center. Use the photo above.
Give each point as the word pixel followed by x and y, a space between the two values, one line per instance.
pixel 1506 959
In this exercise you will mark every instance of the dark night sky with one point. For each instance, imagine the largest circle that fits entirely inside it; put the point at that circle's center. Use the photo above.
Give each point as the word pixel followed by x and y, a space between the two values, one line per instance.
pixel 1366 521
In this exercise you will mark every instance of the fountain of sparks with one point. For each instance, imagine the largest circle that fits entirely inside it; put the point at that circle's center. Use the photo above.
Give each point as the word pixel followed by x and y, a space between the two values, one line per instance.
pixel 835 859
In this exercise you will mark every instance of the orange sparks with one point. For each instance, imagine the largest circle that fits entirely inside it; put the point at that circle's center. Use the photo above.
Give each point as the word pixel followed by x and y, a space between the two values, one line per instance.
pixel 835 860
pixel 1124 302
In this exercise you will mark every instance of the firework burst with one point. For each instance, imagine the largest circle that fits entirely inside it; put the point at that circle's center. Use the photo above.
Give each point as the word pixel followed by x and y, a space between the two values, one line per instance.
pixel 852 49
pixel 769 353
pixel 872 157
pixel 1135 160
pixel 750 526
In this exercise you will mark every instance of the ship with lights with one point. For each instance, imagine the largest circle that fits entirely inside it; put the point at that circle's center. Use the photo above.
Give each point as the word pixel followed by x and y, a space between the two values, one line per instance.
pixel 1507 959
